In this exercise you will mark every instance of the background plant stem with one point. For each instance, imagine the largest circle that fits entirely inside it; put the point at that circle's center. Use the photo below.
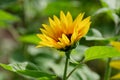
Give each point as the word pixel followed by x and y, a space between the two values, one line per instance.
pixel 107 70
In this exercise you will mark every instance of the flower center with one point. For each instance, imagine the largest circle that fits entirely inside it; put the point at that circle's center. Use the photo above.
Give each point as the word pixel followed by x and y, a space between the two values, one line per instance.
pixel 69 36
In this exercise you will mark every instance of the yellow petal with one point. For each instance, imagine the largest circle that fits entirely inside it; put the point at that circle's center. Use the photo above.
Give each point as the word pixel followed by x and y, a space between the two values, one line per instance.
pixel 73 37
pixel 63 18
pixel 80 31
pixel 116 45
pixel 56 19
pixel 49 39
pixel 83 23
pixel 78 19
pixel 115 64
pixel 76 22
pixel 58 46
pixel 43 31
pixel 45 43
pixel 59 27
pixel 53 25
pixel 49 33
pixel 64 22
pixel 84 30
pixel 41 37
pixel 70 21
pixel 69 18
pixel 47 29
pixel 61 45
pixel 117 76
pixel 64 40
pixel 55 29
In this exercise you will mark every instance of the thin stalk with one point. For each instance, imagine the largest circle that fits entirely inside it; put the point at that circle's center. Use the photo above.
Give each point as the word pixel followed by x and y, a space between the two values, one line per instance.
pixel 65 69
pixel 107 70
pixel 24 21
pixel 14 33
pixel 80 64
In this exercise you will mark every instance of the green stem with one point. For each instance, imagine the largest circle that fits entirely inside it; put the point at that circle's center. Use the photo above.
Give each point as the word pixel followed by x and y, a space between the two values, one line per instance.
pixel 65 70
pixel 108 70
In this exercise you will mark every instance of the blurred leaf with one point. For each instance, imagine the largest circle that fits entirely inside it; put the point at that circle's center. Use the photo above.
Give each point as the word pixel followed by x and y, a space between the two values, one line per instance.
pixel 73 61
pixel 97 52
pixel 33 39
pixel 101 10
pixel 115 17
pixel 35 74
pixel 110 13
pixel 44 78
pixel 7 19
pixel 3 75
pixel 94 34
pixel 4 3
pixel 21 68
pixel 72 6
pixel 33 7
pixel 84 73
pixel 112 4
pixel 77 54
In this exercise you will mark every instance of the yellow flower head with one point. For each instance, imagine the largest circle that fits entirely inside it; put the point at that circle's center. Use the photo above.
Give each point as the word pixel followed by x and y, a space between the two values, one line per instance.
pixel 64 32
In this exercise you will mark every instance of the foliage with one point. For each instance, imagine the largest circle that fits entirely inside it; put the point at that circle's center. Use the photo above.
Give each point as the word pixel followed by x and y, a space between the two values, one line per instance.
pixel 20 21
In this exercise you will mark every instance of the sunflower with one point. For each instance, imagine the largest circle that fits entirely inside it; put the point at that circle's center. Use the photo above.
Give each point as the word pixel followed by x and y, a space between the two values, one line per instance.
pixel 64 32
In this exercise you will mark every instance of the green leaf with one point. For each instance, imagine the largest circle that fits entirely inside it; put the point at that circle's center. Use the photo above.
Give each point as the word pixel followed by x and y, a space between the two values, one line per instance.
pixel 8 67
pixel 33 39
pixel 6 19
pixel 97 52
pixel 22 68
pixel 35 74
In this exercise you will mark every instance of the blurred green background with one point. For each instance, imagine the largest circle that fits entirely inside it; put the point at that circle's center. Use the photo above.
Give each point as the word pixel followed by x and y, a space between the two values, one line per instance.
pixel 20 21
